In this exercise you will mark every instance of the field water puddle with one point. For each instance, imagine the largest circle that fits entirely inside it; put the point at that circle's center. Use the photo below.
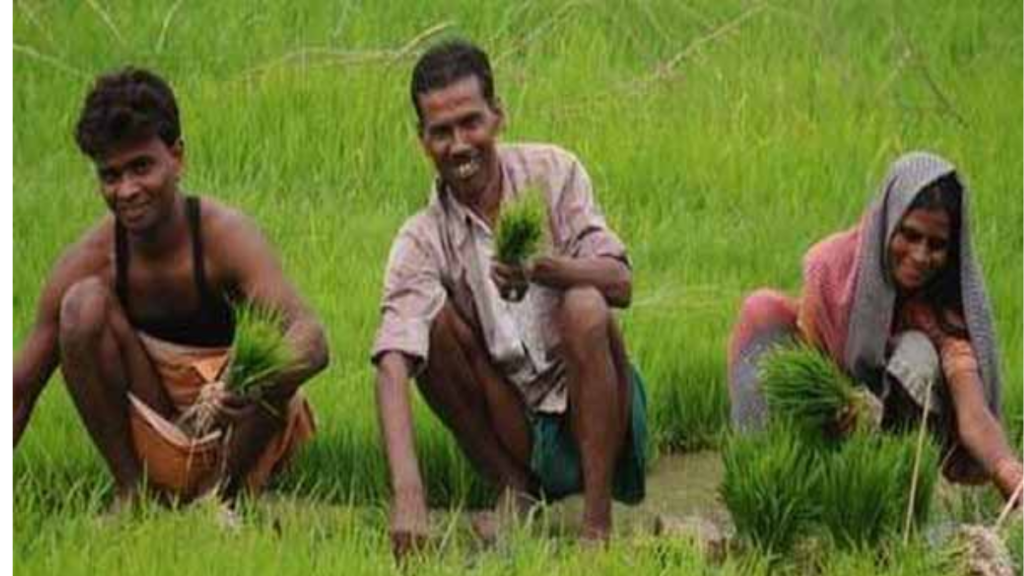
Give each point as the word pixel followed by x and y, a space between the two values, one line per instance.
pixel 679 487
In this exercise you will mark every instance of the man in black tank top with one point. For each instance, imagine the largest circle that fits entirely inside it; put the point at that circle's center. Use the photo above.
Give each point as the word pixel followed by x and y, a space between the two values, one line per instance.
pixel 138 312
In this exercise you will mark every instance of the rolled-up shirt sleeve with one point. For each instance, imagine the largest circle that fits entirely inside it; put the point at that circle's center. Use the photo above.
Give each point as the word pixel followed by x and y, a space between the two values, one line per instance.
pixel 585 232
pixel 413 297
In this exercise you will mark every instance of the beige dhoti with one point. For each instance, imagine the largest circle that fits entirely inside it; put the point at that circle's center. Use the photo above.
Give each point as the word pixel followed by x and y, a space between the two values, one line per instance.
pixel 187 467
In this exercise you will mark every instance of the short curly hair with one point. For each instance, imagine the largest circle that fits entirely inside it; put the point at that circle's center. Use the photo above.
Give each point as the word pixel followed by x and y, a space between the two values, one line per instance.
pixel 125 107
pixel 446 63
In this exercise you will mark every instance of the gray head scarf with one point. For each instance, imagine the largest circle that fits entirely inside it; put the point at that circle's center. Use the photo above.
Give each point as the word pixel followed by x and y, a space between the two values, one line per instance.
pixel 875 295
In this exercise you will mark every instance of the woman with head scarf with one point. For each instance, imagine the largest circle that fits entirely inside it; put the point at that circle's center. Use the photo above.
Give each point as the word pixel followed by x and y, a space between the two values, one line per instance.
pixel 899 303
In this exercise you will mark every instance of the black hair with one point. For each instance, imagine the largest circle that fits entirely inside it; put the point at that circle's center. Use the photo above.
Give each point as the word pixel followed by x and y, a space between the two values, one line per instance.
pixel 446 63
pixel 944 292
pixel 126 107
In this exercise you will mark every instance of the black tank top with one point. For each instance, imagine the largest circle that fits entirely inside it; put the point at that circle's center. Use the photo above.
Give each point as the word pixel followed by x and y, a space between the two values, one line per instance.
pixel 212 324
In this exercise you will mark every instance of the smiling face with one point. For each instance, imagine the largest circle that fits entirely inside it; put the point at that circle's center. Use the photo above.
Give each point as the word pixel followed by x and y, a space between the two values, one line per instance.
pixel 458 131
pixel 139 182
pixel 920 248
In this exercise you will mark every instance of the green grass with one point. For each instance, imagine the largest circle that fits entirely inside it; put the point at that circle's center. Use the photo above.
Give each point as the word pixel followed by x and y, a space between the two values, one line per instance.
pixel 1013 535
pixel 722 138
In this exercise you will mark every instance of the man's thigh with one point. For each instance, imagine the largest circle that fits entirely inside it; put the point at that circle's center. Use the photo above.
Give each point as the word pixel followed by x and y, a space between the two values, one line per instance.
pixel 94 322
pixel 460 364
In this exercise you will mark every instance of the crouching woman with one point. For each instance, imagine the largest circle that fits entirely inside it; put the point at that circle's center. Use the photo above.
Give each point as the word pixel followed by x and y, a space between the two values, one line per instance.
pixel 899 302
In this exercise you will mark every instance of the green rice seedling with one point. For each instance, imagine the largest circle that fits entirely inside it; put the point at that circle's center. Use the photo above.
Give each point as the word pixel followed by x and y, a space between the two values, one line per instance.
pixel 803 385
pixel 520 228
pixel 865 488
pixel 768 486
pixel 259 352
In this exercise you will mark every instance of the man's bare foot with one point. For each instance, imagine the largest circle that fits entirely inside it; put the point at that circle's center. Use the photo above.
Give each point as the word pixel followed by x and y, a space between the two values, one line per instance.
pixel 512 507
pixel 597 521
pixel 123 505
pixel 595 534
pixel 224 509
pixel 228 518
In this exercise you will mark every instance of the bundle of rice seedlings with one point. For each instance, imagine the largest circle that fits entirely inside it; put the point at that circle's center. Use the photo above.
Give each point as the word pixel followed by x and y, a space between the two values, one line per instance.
pixel 259 352
pixel 804 386
pixel 768 487
pixel 865 488
pixel 520 228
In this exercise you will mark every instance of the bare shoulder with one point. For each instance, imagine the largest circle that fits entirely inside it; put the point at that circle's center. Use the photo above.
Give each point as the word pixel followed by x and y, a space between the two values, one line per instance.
pixel 220 218
pixel 226 228
pixel 232 241
pixel 92 255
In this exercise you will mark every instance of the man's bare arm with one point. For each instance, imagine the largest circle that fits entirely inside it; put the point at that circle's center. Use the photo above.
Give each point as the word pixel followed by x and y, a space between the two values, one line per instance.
pixel 409 508
pixel 611 277
pixel 40 354
pixel 36 361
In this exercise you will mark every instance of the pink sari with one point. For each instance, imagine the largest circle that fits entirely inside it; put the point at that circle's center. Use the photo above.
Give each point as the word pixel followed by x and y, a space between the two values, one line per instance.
pixel 847 304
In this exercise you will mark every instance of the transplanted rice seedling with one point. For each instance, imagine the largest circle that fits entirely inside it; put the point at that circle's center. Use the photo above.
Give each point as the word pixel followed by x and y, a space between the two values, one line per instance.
pixel 768 486
pixel 803 385
pixel 865 487
pixel 520 228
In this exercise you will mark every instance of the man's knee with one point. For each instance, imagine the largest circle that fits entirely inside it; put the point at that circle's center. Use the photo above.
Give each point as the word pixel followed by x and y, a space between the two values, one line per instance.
pixel 449 329
pixel 583 314
pixel 84 311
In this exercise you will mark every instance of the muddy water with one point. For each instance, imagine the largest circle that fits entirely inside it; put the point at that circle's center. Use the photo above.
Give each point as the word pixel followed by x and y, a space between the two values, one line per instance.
pixel 678 486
